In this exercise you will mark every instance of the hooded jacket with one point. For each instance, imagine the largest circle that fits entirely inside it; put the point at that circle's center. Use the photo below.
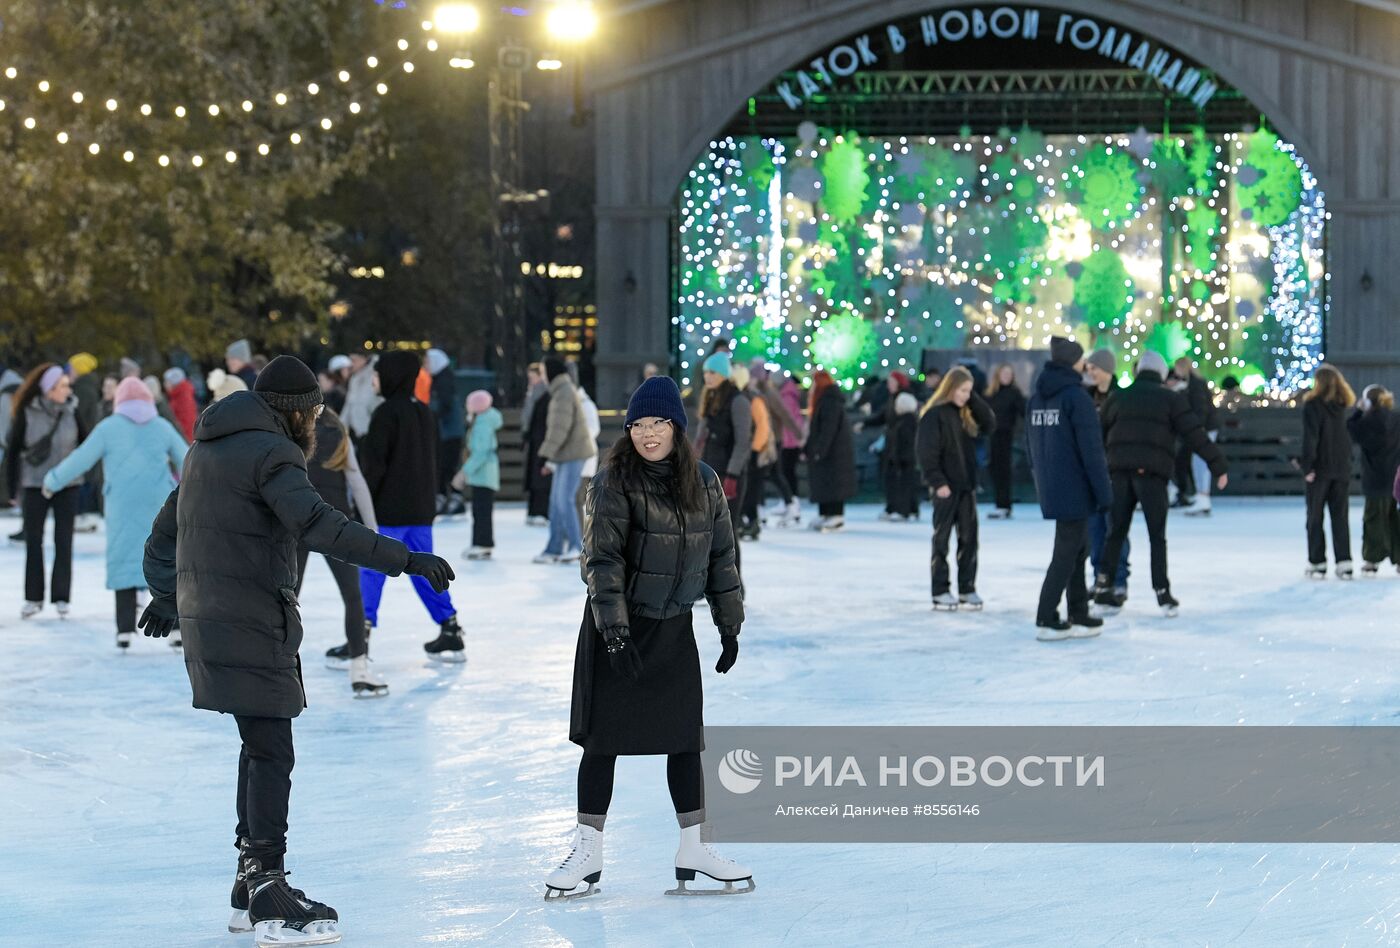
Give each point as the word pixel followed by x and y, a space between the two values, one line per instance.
pixel 947 453
pixel 831 452
pixel 182 406
pixel 224 546
pixel 1141 425
pixel 483 466
pixel 1326 444
pixel 360 401
pixel 1066 447
pixel 1377 433
pixel 566 436
pixel 398 454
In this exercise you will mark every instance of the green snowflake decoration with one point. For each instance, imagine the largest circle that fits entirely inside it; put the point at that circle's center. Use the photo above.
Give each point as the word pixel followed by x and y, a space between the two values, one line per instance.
pixel 1270 184
pixel 1202 226
pixel 1171 175
pixel 752 341
pixel 845 179
pixel 1104 291
pixel 1170 340
pixel 1109 192
pixel 844 343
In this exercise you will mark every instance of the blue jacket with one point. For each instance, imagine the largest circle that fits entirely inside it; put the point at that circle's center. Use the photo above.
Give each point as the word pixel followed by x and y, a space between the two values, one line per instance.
pixel 136 480
pixel 1066 446
pixel 483 467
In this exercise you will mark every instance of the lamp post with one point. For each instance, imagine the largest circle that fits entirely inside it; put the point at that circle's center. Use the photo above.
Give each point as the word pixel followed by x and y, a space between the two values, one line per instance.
pixel 567 22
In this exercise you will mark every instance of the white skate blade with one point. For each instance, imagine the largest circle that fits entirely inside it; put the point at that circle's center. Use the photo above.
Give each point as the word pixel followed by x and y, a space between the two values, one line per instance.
pixel 1169 612
pixel 1084 632
pixel 945 607
pixel 379 691
pixel 552 894
pixel 449 658
pixel 272 933
pixel 970 606
pixel 238 923
pixel 1051 635
pixel 728 889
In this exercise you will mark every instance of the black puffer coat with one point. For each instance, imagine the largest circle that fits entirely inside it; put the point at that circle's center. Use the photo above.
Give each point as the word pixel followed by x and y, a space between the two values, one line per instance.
pixel 1008 403
pixel 398 455
pixel 644 556
pixel 1377 433
pixel 1141 425
pixel 1202 402
pixel 947 453
pixel 1326 444
pixel 225 546
pixel 831 452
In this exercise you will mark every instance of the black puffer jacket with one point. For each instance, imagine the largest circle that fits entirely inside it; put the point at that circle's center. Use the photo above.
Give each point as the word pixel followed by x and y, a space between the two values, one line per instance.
pixel 947 453
pixel 644 556
pixel 1377 433
pixel 1141 424
pixel 399 453
pixel 831 452
pixel 225 546
pixel 1009 405
pixel 1326 444
pixel 1202 402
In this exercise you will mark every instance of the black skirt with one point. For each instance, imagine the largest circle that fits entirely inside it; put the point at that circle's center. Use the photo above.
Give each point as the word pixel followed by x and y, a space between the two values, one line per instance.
pixel 662 713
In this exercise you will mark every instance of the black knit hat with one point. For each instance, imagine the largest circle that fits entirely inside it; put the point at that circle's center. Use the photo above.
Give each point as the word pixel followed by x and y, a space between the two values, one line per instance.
pixel 288 384
pixel 657 397
pixel 1065 351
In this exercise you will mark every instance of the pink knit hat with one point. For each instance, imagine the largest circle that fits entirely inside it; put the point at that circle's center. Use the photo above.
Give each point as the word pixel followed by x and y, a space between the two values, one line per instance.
pixel 132 389
pixel 478 401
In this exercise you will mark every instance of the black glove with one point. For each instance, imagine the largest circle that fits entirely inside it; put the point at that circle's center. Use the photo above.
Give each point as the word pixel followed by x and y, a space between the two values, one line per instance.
pixel 624 657
pixel 159 618
pixel 729 655
pixel 436 570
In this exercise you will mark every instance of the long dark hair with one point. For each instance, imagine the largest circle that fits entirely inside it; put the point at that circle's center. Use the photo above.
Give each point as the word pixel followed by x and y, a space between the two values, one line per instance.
pixel 625 464
pixel 29 388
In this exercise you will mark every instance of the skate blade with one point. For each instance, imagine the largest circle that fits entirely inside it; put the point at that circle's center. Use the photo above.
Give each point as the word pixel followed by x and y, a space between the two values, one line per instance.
pixel 967 607
pixel 1081 632
pixel 1169 613
pixel 1051 635
pixel 365 693
pixel 728 889
pixel 238 923
pixel 940 607
pixel 270 934
pixel 449 658
pixel 552 894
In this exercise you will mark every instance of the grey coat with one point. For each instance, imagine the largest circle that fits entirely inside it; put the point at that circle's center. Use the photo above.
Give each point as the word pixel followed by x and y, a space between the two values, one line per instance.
pixel 225 547
pixel 40 417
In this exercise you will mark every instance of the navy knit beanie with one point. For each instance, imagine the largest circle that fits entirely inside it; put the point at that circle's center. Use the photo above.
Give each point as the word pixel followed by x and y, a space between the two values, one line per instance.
pixel 657 397
pixel 288 384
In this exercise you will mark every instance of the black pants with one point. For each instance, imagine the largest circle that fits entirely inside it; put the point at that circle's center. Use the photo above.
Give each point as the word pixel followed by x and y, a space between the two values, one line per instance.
pixel 347 578
pixel 126 609
pixel 483 505
pixel 735 510
pixel 1001 468
pixel 1066 572
pixel 753 490
pixel 775 474
pixel 835 509
pixel 1130 490
pixel 35 509
pixel 684 777
pixel 449 463
pixel 957 510
pixel 265 785
pixel 537 486
pixel 1326 495
pixel 902 490
pixel 1184 478
pixel 1380 530
pixel 788 458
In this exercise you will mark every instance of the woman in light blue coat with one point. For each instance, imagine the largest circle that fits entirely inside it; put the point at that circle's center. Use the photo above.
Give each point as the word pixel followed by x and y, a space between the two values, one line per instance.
pixel 482 472
pixel 138 449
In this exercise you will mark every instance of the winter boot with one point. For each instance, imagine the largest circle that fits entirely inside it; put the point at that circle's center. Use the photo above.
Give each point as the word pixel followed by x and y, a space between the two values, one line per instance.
pixel 363 682
pixel 447 647
pixel 281 915
pixel 584 864
pixel 696 855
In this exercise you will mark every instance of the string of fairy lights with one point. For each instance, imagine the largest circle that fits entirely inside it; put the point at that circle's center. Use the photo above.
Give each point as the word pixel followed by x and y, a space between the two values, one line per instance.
pixel 833 252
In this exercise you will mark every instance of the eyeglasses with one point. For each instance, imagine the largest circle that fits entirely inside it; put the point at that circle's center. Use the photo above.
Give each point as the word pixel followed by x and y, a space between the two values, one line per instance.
pixel 320 408
pixel 646 428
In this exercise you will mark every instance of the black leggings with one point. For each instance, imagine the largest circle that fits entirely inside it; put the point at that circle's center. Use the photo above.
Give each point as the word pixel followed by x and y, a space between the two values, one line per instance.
pixel 683 775
pixel 35 507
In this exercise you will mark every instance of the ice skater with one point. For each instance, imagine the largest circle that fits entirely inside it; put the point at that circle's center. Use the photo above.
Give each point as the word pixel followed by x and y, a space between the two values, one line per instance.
pixel 951 422
pixel 567 446
pixel 222 559
pixel 659 537
pixel 482 472
pixel 1071 480
pixel 1326 466
pixel 1008 403
pixel 901 460
pixel 398 456
pixel 137 448
pixel 1375 427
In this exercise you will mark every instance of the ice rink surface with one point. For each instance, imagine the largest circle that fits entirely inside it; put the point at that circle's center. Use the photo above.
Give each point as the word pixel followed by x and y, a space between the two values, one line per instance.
pixel 431 816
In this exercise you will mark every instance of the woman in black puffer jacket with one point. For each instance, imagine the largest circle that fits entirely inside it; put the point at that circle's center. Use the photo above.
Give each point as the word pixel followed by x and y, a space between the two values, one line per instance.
pixel 657 538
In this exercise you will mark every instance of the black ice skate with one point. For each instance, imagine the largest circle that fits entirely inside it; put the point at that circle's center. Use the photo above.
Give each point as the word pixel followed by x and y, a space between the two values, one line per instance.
pixel 280 915
pixel 238 923
pixel 1107 600
pixel 448 647
pixel 1167 604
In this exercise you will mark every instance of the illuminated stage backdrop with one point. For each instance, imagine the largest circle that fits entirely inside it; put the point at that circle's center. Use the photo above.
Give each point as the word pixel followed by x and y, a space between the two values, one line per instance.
pixel 853 254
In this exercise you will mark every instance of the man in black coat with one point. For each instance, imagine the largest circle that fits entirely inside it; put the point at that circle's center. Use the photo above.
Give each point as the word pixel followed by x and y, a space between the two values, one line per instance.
pixel 1141 425
pixel 222 559
pixel 398 457
pixel 1202 402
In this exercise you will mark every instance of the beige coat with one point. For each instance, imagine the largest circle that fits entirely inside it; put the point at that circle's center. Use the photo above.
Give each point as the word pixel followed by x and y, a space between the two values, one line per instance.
pixel 566 435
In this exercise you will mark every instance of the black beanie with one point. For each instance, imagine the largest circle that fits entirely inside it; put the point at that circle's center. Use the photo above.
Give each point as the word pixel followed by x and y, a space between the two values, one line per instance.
pixel 1065 351
pixel 657 397
pixel 288 384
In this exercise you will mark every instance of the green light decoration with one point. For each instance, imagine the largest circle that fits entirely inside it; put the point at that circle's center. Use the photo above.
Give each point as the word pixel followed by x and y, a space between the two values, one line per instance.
pixel 843 343
pixel 845 178
pixel 1200 160
pixel 943 170
pixel 1270 184
pixel 756 171
pixel 1170 340
pixel 752 341
pixel 1170 174
pixel 1109 192
pixel 1202 226
pixel 1103 290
